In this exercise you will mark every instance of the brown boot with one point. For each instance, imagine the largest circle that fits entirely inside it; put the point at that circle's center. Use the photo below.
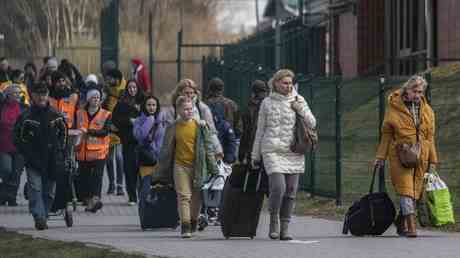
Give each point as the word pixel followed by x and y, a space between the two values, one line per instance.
pixel 411 225
pixel 401 225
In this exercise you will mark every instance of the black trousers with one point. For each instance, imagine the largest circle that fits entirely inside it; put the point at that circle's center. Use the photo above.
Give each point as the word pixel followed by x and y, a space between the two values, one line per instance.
pixel 131 170
pixel 90 178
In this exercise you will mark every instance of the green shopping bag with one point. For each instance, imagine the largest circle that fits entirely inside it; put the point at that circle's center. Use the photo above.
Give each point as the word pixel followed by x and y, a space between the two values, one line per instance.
pixel 438 200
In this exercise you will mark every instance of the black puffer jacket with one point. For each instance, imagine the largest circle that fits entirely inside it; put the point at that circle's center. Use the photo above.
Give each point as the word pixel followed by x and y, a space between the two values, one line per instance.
pixel 124 111
pixel 40 136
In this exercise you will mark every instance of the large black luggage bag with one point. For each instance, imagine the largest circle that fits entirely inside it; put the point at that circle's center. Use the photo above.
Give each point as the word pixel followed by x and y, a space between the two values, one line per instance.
pixel 373 214
pixel 157 205
pixel 242 202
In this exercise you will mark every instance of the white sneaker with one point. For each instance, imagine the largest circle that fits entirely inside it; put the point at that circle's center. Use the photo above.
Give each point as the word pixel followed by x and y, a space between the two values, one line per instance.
pixel 132 203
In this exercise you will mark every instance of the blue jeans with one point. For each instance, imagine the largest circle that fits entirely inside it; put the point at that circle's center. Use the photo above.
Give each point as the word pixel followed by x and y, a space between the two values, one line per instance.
pixel 11 167
pixel 115 153
pixel 144 186
pixel 41 191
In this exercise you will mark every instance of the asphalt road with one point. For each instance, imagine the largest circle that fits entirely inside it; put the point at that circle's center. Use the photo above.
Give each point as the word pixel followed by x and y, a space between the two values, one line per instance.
pixel 117 225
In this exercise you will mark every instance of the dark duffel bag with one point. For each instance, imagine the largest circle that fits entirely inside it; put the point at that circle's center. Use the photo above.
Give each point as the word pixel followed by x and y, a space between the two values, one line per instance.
pixel 372 215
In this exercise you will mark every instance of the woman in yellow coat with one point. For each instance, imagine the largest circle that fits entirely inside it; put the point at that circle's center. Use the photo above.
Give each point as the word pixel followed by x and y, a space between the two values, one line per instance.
pixel 407 108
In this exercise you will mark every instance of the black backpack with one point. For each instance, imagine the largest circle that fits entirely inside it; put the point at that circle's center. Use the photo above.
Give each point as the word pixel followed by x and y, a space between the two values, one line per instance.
pixel 372 215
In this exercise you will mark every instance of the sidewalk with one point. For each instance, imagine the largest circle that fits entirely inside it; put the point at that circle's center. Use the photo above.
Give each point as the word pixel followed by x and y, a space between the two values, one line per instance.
pixel 117 225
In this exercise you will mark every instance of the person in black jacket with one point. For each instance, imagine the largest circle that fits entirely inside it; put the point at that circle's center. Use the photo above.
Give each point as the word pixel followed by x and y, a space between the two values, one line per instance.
pixel 259 90
pixel 123 117
pixel 40 135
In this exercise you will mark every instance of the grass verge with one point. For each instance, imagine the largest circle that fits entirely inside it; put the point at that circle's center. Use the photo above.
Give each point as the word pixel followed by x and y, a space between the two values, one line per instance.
pixel 18 245
pixel 325 208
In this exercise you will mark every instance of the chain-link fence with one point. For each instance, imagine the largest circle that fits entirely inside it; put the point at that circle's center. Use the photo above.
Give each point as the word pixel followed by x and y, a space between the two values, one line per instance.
pixel 349 114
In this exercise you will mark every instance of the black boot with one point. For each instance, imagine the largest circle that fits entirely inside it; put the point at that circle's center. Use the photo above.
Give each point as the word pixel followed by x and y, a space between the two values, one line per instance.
pixel 120 191
pixel 186 231
pixel 111 189
pixel 193 226
pixel 40 224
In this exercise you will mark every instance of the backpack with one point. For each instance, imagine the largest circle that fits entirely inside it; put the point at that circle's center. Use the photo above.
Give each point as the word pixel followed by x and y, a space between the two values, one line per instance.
pixel 217 110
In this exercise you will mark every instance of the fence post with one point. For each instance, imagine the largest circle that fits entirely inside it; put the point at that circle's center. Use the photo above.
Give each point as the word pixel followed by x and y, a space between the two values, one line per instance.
pixel 204 73
pixel 338 141
pixel 151 51
pixel 313 152
pixel 179 55
pixel 428 87
pixel 382 82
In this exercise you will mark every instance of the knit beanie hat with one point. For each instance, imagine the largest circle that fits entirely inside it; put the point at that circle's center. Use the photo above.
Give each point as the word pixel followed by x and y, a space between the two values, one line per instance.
pixel 92 93
pixel 52 64
pixel 91 78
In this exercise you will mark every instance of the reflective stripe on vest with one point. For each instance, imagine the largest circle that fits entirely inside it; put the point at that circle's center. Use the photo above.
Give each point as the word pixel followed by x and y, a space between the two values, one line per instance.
pixel 92 147
pixel 66 106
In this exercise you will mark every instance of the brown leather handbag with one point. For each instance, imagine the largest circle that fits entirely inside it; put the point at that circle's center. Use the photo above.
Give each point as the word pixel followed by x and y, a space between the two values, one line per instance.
pixel 409 154
pixel 305 138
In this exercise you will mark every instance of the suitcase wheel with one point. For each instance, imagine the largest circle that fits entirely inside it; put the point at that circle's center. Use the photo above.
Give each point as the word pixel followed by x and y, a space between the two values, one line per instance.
pixel 252 237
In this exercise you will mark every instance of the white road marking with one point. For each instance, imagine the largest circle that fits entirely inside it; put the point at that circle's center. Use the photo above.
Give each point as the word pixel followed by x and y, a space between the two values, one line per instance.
pixel 303 242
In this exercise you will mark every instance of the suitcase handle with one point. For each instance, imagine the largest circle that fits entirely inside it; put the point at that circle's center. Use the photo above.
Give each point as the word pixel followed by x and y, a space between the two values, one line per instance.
pixel 371 188
pixel 246 179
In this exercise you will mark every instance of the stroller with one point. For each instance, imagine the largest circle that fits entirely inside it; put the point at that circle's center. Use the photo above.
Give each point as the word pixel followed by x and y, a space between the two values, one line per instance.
pixel 211 196
pixel 65 202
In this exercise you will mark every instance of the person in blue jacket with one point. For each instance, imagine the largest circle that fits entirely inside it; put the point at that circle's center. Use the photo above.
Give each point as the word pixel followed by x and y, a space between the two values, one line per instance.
pixel 225 133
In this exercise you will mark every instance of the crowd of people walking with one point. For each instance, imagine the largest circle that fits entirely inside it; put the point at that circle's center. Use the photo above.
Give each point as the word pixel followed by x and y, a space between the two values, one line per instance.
pixel 123 129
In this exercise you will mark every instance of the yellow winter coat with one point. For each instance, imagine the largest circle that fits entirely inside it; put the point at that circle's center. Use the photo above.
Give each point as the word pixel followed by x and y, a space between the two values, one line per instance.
pixel 113 94
pixel 398 127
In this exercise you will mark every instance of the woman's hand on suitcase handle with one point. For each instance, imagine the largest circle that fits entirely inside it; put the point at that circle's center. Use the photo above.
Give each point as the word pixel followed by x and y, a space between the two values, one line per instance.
pixel 255 164
pixel 219 156
pixel 378 163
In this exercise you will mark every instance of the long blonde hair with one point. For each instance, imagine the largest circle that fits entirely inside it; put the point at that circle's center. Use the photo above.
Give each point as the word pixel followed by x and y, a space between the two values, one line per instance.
pixel 181 85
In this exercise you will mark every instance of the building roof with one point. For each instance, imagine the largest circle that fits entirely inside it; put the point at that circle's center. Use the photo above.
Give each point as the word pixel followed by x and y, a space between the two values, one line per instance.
pixel 288 8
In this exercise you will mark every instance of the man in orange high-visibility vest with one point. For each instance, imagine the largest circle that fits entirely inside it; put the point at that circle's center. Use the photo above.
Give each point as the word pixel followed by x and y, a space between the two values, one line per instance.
pixel 63 98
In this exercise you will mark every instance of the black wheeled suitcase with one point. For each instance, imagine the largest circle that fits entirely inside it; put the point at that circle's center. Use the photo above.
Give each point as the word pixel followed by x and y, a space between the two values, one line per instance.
pixel 372 215
pixel 157 206
pixel 242 203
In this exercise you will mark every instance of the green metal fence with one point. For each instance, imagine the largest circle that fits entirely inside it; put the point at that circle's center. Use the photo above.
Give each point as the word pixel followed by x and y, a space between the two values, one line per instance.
pixel 349 112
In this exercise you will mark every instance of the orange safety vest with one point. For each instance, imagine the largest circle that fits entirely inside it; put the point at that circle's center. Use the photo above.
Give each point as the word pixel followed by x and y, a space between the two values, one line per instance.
pixel 67 106
pixel 92 147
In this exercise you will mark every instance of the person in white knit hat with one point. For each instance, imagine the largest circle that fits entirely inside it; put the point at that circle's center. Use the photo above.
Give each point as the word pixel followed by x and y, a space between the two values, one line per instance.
pixel 92 152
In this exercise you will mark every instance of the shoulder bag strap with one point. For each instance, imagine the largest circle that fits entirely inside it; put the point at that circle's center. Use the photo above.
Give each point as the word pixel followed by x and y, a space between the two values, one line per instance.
pixel 150 136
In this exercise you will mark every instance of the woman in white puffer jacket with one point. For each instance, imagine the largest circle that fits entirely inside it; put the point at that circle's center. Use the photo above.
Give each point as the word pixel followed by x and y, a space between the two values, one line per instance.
pixel 274 135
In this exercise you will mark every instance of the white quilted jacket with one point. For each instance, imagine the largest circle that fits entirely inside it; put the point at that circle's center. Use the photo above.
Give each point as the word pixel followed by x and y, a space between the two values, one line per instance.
pixel 275 133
